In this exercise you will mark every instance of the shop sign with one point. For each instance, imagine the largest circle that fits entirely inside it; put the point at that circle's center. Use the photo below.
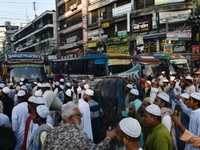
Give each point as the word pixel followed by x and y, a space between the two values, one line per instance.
pixel 195 52
pixel 122 33
pixel 119 61
pixel 141 26
pixel 174 16
pixel 92 44
pixel 117 48
pixel 124 9
pixel 139 43
pixel 163 2
pixel 93 32
pixel 71 39
pixel 117 40
pixel 168 49
pixel 179 34
pixel 105 25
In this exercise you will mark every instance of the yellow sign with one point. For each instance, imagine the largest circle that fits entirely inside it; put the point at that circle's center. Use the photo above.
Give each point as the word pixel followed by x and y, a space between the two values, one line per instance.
pixel 168 49
pixel 119 61
pixel 105 25
pixel 92 44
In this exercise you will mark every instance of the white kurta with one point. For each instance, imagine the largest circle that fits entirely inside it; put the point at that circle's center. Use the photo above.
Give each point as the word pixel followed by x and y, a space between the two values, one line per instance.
pixel 86 120
pixel 4 120
pixel 19 117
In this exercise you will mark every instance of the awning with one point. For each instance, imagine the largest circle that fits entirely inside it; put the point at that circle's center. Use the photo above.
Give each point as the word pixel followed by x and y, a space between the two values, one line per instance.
pixel 154 36
pixel 99 61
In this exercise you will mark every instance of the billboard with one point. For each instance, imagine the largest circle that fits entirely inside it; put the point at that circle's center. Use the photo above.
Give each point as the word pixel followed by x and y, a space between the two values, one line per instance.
pixel 163 2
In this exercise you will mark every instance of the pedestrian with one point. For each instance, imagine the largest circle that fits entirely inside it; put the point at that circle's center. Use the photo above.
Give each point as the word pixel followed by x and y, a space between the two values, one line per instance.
pixel 158 137
pixel 4 120
pixel 69 134
pixel 129 87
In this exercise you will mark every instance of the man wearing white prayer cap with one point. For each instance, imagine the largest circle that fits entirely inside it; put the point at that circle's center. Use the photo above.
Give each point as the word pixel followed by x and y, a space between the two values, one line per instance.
pixel 127 90
pixel 158 137
pixel 39 117
pixel 38 93
pixel 190 87
pixel 194 104
pixel 128 131
pixel 96 113
pixel 162 77
pixel 31 127
pixel 133 99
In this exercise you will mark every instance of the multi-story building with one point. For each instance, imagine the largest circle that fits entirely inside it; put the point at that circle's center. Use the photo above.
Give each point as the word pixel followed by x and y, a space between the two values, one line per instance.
pixel 72 27
pixel 2 38
pixel 39 36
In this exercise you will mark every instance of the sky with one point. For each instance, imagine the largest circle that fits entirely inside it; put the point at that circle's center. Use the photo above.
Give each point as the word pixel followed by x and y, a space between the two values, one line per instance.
pixel 17 11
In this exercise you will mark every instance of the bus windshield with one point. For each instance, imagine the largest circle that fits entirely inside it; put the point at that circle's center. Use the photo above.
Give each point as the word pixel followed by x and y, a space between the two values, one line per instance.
pixel 30 73
pixel 114 69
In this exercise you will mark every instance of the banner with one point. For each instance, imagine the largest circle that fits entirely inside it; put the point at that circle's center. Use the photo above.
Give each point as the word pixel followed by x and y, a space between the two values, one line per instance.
pixel 195 52
pixel 162 2
pixel 168 49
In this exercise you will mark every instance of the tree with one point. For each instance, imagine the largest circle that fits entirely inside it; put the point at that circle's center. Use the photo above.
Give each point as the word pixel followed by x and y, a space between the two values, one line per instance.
pixel 7 23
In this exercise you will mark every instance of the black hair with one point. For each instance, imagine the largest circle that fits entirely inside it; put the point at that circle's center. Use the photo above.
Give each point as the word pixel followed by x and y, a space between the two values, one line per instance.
pixel 195 100
pixel 7 138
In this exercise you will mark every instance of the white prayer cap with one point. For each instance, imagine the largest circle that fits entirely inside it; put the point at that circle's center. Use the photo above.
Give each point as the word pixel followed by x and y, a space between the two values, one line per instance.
pixel 21 83
pixel 185 95
pixel 2 85
pixel 6 90
pixel 10 84
pixel 86 86
pixel 153 109
pixel 31 99
pixel 68 84
pixel 165 80
pixel 35 82
pixel 57 83
pixel 38 93
pixel 153 80
pixel 17 88
pixel 130 86
pixel 164 96
pixel 69 93
pixel 46 85
pixel 22 79
pixel 195 95
pixel 189 77
pixel 62 80
pixel 39 85
pixel 21 93
pixel 23 87
pixel 38 100
pixel 42 111
pixel 134 92
pixel 149 82
pixel 130 126
pixel 84 81
pixel 163 72
pixel 62 87
pixel 89 92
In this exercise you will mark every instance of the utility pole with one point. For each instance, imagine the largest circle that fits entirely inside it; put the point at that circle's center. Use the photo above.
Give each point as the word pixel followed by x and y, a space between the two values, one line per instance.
pixel 34 8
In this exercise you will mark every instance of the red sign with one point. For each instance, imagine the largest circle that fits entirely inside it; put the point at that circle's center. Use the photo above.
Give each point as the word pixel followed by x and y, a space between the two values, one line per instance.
pixel 195 51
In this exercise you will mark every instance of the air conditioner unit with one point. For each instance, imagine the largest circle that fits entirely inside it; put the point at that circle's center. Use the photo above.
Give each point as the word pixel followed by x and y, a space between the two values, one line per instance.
pixel 65 25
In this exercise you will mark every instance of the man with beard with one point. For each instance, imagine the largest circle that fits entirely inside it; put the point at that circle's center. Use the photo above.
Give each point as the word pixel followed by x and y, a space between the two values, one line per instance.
pixel 69 134
pixel 128 132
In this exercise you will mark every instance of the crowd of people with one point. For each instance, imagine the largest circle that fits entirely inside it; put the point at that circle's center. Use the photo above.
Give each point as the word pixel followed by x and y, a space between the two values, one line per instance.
pixel 159 114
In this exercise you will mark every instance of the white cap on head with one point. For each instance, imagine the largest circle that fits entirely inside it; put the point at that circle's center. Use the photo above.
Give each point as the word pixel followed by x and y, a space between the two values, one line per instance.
pixel 185 95
pixel 10 84
pixel 131 127
pixel 38 93
pixel 189 78
pixel 149 82
pixel 163 72
pixel 153 109
pixel 62 87
pixel 57 83
pixel 35 82
pixel 86 86
pixel 21 83
pixel 42 111
pixel 196 95
pixel 84 81
pixel 6 90
pixel 62 80
pixel 46 85
pixel 69 92
pixel 23 87
pixel 164 96
pixel 89 92
pixel 21 93
pixel 31 99
pixel 134 92
pixel 2 85
pixel 165 80
pixel 68 84
pixel 22 79
pixel 39 85
pixel 38 100
pixel 130 86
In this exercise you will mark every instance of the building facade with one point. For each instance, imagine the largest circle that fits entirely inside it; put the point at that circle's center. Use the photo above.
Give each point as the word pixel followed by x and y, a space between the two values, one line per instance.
pixel 39 36
pixel 2 38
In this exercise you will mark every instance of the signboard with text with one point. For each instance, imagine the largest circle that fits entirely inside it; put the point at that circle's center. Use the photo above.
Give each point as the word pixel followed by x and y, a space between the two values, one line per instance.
pixel 163 2
pixel 141 26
